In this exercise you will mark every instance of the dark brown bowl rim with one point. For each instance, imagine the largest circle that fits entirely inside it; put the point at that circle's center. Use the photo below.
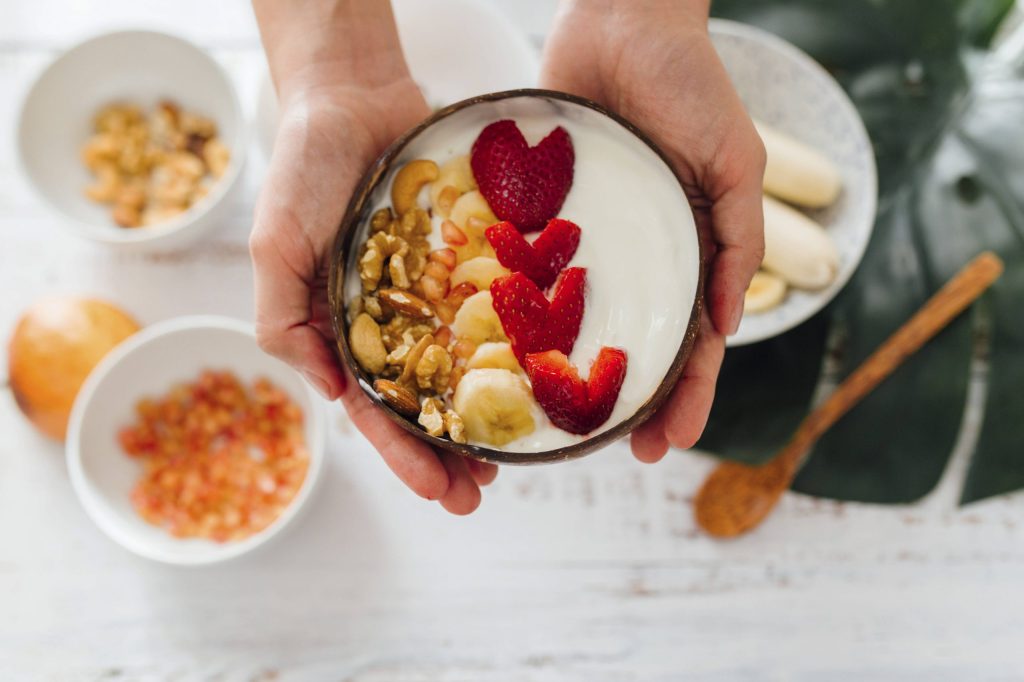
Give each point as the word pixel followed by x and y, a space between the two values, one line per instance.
pixel 352 220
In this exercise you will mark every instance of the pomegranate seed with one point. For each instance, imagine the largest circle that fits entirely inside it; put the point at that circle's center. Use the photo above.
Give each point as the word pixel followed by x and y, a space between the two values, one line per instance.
pixel 459 293
pixel 464 349
pixel 443 336
pixel 451 234
pixel 436 270
pixel 445 257
pixel 456 377
pixel 446 199
pixel 445 311
pixel 434 290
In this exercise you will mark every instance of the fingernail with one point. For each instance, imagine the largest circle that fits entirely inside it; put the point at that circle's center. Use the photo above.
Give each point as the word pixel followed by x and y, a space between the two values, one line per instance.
pixel 319 384
pixel 734 317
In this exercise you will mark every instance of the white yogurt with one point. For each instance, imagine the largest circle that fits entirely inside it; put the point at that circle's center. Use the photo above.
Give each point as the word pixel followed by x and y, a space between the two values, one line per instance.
pixel 638 243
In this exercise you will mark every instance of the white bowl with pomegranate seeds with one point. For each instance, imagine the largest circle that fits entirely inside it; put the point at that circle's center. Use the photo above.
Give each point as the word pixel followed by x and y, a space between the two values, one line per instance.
pixel 621 243
pixel 142 69
pixel 196 494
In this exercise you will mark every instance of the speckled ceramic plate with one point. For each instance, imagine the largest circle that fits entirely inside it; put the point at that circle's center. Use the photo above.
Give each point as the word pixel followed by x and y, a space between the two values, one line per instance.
pixel 782 86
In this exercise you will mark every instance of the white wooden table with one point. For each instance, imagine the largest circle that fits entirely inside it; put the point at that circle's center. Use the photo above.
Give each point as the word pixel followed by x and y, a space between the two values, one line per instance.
pixel 586 571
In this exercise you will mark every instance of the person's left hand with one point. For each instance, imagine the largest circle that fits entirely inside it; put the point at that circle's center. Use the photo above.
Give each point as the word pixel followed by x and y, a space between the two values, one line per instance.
pixel 327 137
pixel 653 63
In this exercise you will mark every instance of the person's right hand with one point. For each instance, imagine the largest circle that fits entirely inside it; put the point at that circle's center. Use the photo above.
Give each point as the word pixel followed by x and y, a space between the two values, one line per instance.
pixel 335 120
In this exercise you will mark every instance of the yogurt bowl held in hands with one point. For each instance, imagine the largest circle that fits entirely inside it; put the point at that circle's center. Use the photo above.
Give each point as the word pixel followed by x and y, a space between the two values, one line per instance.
pixel 518 278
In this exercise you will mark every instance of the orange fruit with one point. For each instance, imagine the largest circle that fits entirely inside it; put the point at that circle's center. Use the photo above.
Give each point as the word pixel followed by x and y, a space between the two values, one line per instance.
pixel 55 345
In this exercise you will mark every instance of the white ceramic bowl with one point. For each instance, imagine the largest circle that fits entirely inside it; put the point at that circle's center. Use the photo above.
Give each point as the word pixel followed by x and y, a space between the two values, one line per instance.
pixel 149 364
pixel 142 67
pixel 468 65
pixel 782 86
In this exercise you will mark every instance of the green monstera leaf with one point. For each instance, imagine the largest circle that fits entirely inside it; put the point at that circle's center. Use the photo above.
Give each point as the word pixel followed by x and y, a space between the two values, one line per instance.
pixel 951 181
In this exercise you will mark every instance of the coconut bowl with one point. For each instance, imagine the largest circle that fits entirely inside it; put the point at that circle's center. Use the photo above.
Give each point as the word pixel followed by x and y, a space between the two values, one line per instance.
pixel 681 308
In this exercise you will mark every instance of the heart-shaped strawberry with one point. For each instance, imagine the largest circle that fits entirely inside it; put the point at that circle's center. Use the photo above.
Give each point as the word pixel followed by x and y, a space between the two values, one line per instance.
pixel 570 403
pixel 522 184
pixel 531 322
pixel 542 260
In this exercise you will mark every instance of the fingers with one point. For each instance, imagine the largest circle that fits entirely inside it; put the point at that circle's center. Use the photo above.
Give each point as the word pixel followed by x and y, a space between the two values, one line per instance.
pixel 451 479
pixel 734 183
pixel 687 409
pixel 463 494
pixel 649 441
pixel 412 460
pixel 483 473
pixel 682 418
pixel 282 316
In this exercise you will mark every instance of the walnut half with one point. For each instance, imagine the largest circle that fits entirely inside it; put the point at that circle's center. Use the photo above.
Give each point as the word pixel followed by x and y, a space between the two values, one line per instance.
pixel 437 421
pixel 434 369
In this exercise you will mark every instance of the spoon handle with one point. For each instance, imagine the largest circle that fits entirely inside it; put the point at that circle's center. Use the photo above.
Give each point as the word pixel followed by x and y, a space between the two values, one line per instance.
pixel 948 302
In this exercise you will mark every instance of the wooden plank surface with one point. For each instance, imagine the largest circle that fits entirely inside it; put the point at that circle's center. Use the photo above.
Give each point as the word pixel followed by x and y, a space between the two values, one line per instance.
pixel 589 571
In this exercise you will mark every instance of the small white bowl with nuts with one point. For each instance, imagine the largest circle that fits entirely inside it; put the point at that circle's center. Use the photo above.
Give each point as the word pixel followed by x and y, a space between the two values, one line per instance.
pixel 136 138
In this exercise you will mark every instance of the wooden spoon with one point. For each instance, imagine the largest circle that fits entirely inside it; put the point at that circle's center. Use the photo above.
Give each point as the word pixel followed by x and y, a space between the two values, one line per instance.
pixel 737 497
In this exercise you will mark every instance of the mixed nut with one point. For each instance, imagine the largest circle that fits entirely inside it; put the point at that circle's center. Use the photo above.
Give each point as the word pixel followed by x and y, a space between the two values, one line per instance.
pixel 150 168
pixel 422 312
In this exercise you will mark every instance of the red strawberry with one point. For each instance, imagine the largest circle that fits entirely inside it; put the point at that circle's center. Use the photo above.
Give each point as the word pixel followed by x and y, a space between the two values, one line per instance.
pixel 531 322
pixel 524 185
pixel 570 403
pixel 544 259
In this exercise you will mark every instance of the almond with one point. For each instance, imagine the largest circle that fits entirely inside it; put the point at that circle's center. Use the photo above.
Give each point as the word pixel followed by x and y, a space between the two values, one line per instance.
pixel 398 398
pixel 405 302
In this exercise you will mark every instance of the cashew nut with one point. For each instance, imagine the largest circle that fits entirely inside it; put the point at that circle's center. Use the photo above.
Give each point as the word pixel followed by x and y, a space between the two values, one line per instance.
pixel 408 182
pixel 366 344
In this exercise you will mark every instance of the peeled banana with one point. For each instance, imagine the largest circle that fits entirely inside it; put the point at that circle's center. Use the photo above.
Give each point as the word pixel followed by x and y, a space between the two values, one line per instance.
pixel 496 406
pixel 796 248
pixel 476 320
pixel 796 172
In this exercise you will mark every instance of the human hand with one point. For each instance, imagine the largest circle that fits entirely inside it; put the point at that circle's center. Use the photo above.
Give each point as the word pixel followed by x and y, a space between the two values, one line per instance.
pixel 653 63
pixel 338 113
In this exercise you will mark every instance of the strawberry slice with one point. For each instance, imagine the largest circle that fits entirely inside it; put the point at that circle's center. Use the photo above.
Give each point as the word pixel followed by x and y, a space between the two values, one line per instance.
pixel 522 184
pixel 542 260
pixel 572 404
pixel 531 322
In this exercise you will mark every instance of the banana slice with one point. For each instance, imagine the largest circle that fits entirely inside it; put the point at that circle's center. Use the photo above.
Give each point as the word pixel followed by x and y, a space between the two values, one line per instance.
pixel 480 271
pixel 764 293
pixel 476 320
pixel 494 354
pixel 472 205
pixel 457 174
pixel 797 172
pixel 496 406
